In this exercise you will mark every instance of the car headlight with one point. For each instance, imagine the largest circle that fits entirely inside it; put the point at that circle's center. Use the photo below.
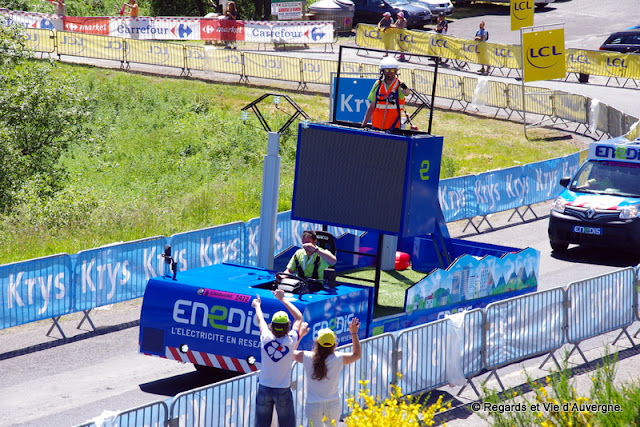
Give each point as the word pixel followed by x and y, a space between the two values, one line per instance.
pixel 558 205
pixel 630 212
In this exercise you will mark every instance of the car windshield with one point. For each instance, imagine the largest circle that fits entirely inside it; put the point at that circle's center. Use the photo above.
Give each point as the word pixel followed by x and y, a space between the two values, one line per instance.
pixel 398 2
pixel 614 178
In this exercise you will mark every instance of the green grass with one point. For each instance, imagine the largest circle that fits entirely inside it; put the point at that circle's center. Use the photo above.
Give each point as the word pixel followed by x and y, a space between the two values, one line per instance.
pixel 393 285
pixel 172 155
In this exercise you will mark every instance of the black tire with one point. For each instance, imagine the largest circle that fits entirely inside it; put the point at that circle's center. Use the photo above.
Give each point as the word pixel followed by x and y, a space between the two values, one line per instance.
pixel 558 246
pixel 215 374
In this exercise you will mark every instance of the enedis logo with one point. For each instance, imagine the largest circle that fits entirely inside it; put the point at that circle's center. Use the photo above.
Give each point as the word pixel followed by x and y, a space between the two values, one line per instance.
pixel 618 153
pixel 231 319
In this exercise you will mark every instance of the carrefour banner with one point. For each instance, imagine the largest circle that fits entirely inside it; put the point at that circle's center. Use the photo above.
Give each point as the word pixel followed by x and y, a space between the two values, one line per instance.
pixel 521 14
pixel 36 289
pixel 180 28
pixel 544 55
pixel 41 21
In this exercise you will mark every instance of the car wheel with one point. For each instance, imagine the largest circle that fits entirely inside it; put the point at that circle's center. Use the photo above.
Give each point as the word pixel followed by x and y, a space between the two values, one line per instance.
pixel 558 246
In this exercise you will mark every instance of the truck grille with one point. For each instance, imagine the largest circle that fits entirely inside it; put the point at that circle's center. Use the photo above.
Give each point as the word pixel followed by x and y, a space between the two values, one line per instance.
pixel 592 214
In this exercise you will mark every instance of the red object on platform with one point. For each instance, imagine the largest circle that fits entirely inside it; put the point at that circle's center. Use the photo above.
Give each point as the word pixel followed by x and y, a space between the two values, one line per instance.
pixel 403 261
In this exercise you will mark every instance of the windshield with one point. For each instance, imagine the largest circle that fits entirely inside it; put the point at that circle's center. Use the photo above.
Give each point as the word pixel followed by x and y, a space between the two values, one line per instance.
pixel 615 178
pixel 397 2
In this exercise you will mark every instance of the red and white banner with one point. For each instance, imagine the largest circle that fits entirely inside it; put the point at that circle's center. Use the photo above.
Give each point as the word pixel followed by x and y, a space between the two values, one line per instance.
pixel 181 28
pixel 99 25
pixel 42 21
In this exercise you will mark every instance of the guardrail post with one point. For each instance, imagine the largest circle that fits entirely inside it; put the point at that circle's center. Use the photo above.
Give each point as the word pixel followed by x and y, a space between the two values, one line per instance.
pixel 396 355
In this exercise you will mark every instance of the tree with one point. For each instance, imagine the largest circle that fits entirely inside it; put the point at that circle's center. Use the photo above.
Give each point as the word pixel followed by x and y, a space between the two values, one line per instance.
pixel 41 115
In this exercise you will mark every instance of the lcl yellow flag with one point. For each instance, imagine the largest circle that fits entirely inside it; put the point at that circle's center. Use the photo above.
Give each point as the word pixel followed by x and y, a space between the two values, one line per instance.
pixel 521 14
pixel 543 55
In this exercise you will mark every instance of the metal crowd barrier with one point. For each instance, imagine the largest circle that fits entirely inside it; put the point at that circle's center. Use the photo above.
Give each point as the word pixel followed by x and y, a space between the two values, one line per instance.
pixel 599 305
pixel 423 357
pixel 472 361
pixel 41 41
pixel 504 333
pixel 231 403
pixel 49 274
pixel 507 97
pixel 523 327
pixel 154 414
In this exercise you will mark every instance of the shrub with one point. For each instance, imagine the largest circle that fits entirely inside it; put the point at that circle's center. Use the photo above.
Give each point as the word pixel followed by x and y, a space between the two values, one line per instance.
pixel 396 410
pixel 556 402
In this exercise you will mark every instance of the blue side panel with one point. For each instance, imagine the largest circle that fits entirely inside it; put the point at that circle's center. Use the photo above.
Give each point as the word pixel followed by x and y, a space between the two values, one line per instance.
pixel 209 310
pixel 421 193
pixel 407 320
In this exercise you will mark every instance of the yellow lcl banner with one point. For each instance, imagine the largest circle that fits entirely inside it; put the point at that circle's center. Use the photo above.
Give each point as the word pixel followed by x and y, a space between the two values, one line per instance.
pixel 521 14
pixel 543 55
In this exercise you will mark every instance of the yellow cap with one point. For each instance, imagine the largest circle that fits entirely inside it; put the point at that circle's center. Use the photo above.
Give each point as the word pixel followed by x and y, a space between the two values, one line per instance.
pixel 326 337
pixel 279 320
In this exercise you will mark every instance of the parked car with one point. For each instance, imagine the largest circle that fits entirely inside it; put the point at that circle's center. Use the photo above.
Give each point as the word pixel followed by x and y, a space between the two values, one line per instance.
pixel 539 3
pixel 600 205
pixel 627 41
pixel 370 12
pixel 436 6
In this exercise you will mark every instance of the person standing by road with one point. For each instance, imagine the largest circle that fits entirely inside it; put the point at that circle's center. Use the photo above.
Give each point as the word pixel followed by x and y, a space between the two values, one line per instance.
pixel 383 26
pixel 322 368
pixel 61 8
pixel 386 98
pixel 401 24
pixel 133 8
pixel 232 14
pixel 482 35
pixel 278 341
pixel 442 26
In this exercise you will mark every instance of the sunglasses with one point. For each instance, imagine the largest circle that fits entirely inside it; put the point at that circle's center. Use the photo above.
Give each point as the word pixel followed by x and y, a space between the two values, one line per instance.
pixel 391 70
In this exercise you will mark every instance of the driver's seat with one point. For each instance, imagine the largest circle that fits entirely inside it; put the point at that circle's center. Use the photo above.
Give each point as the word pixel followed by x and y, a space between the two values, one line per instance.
pixel 326 241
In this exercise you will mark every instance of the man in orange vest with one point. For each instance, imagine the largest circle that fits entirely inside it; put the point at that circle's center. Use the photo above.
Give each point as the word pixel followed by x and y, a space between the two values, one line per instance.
pixel 386 98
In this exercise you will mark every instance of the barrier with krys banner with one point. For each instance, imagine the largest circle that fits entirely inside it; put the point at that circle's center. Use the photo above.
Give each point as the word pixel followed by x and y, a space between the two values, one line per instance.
pixel 383 183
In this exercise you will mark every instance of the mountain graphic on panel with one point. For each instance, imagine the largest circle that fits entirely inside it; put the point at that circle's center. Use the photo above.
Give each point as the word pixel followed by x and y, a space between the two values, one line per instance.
pixel 471 278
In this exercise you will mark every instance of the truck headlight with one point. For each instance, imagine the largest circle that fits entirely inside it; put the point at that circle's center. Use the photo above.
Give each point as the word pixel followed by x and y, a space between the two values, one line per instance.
pixel 558 205
pixel 630 212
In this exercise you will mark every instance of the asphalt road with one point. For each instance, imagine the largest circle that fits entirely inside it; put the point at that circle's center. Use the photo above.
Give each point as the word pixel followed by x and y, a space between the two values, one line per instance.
pixel 48 382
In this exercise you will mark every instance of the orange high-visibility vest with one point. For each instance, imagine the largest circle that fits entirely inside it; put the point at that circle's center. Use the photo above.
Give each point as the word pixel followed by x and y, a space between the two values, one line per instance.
pixel 388 106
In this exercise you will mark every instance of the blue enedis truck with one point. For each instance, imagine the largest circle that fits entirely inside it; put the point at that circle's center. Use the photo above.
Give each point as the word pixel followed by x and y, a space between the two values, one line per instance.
pixel 205 317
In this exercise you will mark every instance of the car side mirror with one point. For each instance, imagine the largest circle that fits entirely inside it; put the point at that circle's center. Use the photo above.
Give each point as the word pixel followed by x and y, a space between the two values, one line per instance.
pixel 565 181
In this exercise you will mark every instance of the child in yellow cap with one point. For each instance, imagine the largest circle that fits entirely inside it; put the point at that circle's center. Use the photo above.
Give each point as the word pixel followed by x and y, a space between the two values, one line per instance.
pixel 322 368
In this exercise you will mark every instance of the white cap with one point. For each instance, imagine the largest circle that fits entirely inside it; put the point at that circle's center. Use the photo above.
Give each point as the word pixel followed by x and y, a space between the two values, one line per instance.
pixel 389 62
